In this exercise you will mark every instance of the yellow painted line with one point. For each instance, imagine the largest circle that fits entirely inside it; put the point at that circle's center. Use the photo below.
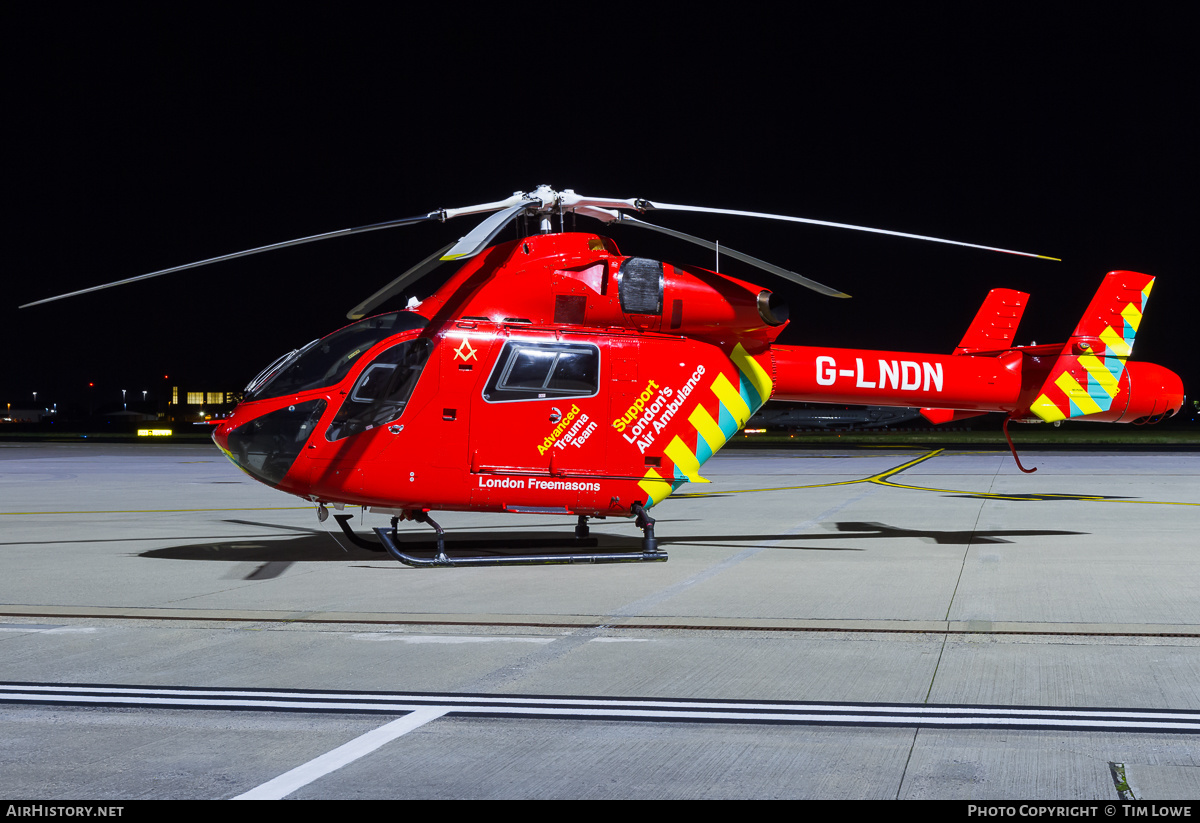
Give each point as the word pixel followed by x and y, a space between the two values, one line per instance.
pixel 882 479
pixel 164 511
pixel 907 465
pixel 771 489
pixel 875 478
pixel 1149 502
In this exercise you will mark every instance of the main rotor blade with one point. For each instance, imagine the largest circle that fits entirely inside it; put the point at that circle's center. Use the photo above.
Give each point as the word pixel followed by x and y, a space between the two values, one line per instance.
pixel 397 286
pixel 404 221
pixel 480 208
pixel 737 255
pixel 596 213
pixel 478 238
pixel 647 205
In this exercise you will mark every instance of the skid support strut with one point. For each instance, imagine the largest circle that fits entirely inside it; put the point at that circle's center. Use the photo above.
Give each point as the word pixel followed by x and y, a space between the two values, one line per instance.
pixel 646 523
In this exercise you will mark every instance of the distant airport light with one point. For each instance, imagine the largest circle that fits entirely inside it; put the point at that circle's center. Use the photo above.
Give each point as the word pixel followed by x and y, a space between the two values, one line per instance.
pixel 154 432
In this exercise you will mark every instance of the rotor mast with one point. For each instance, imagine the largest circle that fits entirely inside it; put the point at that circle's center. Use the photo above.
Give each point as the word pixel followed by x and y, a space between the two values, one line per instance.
pixel 548 198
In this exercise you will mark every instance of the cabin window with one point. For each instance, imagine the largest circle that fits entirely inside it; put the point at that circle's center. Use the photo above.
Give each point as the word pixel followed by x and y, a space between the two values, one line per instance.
pixel 527 370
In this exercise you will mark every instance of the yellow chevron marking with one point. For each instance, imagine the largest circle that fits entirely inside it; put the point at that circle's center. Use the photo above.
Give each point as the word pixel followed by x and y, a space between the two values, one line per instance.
pixel 1116 343
pixel 1099 373
pixel 1044 408
pixel 655 487
pixel 731 399
pixel 1132 315
pixel 755 373
pixel 1146 291
pixel 684 460
pixel 708 428
pixel 1077 394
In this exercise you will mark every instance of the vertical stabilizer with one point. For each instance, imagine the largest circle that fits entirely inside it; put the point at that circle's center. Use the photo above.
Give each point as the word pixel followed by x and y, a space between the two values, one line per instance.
pixel 1086 377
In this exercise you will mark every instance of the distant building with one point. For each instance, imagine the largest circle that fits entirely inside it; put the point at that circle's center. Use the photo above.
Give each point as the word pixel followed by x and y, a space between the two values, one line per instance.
pixel 11 415
pixel 188 406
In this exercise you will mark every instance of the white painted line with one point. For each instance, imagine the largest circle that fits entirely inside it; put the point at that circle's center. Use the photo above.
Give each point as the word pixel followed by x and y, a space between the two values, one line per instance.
pixel 446 639
pixel 301 776
pixel 1132 719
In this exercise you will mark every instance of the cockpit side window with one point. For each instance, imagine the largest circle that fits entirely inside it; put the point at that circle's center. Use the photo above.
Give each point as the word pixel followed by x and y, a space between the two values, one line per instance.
pixel 382 390
pixel 528 370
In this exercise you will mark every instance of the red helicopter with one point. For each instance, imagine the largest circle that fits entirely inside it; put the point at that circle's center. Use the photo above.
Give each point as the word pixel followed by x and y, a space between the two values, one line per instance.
pixel 554 375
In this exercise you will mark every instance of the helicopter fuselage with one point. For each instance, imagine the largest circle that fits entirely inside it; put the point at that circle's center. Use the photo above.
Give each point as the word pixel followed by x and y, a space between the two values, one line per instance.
pixel 554 375
pixel 549 375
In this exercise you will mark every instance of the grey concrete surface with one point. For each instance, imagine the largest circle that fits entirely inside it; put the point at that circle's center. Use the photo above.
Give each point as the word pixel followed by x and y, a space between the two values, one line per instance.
pixel 793 576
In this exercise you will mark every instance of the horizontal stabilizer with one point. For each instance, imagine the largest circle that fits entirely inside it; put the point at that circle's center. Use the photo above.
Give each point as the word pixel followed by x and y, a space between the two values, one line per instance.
pixel 939 416
pixel 995 324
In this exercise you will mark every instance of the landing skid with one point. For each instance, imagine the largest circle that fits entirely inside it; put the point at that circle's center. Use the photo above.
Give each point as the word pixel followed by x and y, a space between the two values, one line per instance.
pixel 343 520
pixel 389 541
pixel 442 559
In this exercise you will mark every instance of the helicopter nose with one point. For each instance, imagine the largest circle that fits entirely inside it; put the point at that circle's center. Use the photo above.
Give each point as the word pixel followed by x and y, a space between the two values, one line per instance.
pixel 220 434
pixel 266 445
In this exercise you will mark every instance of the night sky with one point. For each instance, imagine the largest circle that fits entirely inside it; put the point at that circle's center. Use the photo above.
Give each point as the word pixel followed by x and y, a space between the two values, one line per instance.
pixel 142 137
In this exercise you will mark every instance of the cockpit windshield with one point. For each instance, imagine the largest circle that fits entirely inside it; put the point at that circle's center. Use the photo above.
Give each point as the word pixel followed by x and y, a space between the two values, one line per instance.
pixel 325 362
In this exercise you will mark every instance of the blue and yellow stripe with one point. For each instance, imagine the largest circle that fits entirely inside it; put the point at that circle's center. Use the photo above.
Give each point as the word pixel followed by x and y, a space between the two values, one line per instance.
pixel 689 451
pixel 1101 372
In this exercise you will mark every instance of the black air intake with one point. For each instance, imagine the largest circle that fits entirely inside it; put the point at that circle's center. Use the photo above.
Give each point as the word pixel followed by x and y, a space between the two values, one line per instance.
pixel 641 288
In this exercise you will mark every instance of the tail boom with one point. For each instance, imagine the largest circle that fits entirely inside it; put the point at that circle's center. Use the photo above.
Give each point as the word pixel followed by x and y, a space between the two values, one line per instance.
pixel 885 378
pixel 1089 377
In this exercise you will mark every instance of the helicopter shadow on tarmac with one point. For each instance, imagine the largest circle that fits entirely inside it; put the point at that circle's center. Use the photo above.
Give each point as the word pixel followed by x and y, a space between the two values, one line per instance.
pixel 275 554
